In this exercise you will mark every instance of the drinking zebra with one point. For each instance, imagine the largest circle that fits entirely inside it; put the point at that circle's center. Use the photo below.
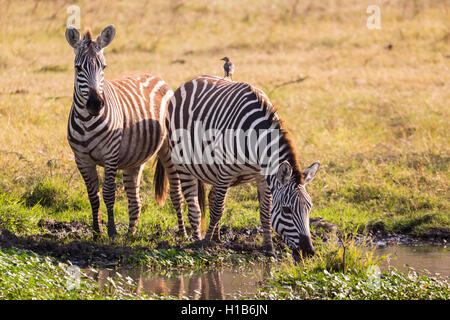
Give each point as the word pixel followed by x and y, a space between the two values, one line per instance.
pixel 222 110
pixel 115 124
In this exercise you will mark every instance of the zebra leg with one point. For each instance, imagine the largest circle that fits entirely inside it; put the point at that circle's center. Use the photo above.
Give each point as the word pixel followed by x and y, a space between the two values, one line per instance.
pixel 265 205
pixel 109 196
pixel 89 174
pixel 132 181
pixel 189 186
pixel 211 199
pixel 176 196
pixel 216 211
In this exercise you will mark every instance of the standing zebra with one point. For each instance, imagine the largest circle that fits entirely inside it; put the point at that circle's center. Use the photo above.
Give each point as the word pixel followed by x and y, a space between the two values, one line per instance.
pixel 218 107
pixel 115 124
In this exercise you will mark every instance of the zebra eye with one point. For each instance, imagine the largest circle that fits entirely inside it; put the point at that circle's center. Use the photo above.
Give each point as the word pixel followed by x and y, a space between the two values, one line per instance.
pixel 78 68
pixel 287 210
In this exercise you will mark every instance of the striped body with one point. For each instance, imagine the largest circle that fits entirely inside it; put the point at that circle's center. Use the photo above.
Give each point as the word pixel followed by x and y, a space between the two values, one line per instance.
pixel 117 124
pixel 126 133
pixel 128 130
pixel 221 105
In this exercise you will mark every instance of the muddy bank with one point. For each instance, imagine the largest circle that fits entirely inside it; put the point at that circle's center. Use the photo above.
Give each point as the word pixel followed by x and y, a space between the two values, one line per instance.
pixel 436 236
pixel 83 253
pixel 72 241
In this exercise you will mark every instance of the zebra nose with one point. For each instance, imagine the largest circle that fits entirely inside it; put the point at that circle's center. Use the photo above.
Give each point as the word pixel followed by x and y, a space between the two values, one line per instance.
pixel 94 103
pixel 305 247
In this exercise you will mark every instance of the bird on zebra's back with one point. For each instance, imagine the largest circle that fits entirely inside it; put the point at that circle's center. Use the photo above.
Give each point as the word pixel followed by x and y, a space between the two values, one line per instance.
pixel 228 67
pixel 264 153
pixel 116 124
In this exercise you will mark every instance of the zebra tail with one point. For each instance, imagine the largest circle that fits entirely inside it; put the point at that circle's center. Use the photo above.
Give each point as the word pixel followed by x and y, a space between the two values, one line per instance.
pixel 202 202
pixel 160 182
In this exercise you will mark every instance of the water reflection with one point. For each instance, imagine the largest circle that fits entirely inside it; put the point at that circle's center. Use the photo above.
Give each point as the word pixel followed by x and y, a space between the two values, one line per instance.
pixel 232 283
pixel 227 283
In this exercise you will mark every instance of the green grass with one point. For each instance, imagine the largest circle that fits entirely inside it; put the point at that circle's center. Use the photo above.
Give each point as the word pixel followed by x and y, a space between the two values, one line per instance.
pixel 392 285
pixel 350 274
pixel 18 218
pixel 376 119
pixel 25 275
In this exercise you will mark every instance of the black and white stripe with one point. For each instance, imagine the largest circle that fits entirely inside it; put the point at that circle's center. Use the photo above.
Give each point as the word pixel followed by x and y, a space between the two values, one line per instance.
pixel 116 124
pixel 221 105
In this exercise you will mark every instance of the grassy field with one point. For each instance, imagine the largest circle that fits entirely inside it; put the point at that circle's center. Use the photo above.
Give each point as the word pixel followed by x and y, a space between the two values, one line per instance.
pixel 374 108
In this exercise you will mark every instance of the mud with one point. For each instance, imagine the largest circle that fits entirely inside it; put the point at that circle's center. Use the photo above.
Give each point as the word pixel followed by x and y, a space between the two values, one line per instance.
pixel 240 241
pixel 436 236
pixel 61 229
pixel 67 241
pixel 72 241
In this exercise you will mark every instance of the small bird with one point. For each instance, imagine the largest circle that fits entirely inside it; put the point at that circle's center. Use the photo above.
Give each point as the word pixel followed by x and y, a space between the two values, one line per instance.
pixel 228 67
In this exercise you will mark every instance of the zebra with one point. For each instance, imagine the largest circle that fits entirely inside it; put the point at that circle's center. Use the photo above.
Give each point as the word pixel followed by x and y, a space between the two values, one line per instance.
pixel 116 124
pixel 220 104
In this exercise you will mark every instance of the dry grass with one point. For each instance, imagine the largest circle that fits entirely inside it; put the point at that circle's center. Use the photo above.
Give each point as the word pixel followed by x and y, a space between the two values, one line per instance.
pixel 377 119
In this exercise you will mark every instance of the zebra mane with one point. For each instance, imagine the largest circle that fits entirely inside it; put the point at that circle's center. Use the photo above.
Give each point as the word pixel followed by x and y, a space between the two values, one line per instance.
pixel 88 35
pixel 271 111
pixel 272 116
pixel 293 159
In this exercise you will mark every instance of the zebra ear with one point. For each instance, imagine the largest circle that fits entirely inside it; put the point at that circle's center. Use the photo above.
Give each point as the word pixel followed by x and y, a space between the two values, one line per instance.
pixel 107 35
pixel 72 36
pixel 284 173
pixel 310 172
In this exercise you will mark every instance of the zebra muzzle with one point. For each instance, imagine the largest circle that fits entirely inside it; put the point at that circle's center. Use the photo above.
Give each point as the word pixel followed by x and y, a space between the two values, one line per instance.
pixel 305 249
pixel 94 103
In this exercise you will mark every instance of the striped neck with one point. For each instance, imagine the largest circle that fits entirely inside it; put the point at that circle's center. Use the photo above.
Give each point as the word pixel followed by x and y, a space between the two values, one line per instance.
pixel 80 101
pixel 280 151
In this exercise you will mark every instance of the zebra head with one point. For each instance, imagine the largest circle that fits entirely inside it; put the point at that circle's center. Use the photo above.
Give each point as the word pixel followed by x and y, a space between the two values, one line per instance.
pixel 291 208
pixel 89 66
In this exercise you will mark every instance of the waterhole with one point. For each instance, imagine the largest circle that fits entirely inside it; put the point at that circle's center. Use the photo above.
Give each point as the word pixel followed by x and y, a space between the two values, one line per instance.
pixel 234 283
pixel 421 257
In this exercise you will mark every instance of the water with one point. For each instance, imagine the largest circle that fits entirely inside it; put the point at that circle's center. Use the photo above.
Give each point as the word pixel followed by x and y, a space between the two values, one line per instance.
pixel 226 283
pixel 232 283
pixel 435 259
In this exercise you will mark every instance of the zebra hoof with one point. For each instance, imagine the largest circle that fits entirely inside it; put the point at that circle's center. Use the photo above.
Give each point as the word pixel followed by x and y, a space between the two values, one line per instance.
pixel 269 251
pixel 216 240
pixel 112 232
pixel 130 234
pixel 96 235
pixel 113 236
pixel 203 243
pixel 132 228
pixel 182 234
